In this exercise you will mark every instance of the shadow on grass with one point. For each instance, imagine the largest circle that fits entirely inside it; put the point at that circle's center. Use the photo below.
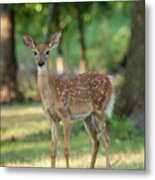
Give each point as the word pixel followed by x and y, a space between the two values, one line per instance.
pixel 25 149
pixel 33 137
pixel 24 155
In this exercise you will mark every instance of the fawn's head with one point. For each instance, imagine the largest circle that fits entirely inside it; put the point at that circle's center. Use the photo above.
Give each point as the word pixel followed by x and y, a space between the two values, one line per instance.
pixel 42 51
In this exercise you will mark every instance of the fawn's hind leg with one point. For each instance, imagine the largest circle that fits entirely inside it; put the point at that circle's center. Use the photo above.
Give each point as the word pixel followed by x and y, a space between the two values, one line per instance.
pixel 105 137
pixel 89 125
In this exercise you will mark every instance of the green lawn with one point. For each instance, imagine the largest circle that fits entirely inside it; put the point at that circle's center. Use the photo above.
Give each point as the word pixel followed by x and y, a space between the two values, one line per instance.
pixel 25 141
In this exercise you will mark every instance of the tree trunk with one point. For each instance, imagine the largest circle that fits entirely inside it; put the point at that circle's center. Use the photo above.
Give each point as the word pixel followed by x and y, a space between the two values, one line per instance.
pixel 131 102
pixel 83 60
pixel 51 8
pixel 9 67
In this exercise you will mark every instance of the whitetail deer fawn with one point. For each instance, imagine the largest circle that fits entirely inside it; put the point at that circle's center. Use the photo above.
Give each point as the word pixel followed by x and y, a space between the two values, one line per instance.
pixel 78 97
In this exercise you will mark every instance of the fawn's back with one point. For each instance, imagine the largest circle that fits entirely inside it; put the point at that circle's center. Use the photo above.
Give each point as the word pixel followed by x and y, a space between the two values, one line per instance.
pixel 84 94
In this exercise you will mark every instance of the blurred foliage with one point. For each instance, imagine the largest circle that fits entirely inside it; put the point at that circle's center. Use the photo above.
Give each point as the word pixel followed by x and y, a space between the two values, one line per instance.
pixel 123 129
pixel 107 29
pixel 106 33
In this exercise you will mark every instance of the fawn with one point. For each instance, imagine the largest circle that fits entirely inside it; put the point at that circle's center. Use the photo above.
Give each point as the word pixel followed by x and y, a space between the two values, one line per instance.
pixel 80 97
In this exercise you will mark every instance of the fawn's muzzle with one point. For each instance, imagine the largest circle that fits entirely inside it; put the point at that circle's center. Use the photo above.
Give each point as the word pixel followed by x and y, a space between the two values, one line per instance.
pixel 41 63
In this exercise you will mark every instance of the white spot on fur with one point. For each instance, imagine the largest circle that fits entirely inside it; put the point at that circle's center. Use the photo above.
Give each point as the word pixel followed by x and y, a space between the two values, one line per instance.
pixel 102 92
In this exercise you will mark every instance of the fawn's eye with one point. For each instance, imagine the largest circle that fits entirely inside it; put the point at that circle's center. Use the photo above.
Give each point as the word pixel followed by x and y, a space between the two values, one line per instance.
pixel 47 52
pixel 35 53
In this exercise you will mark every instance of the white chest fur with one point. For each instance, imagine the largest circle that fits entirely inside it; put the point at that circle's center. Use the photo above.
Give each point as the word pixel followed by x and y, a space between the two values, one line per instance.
pixel 41 69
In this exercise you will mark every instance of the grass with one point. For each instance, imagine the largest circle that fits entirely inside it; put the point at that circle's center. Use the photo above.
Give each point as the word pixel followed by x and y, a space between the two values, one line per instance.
pixel 25 141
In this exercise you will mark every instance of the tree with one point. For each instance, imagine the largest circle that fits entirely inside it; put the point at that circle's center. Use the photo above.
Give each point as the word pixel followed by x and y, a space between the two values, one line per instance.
pixel 9 67
pixel 83 60
pixel 132 97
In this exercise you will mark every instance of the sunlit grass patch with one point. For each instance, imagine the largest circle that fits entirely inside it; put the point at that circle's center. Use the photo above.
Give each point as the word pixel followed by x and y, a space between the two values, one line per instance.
pixel 118 161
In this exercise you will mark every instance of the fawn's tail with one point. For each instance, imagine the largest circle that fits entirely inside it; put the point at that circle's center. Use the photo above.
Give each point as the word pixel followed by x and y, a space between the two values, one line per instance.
pixel 110 106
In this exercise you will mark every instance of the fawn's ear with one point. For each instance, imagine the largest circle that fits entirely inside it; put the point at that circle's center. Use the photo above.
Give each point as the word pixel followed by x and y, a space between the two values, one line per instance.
pixel 29 41
pixel 55 40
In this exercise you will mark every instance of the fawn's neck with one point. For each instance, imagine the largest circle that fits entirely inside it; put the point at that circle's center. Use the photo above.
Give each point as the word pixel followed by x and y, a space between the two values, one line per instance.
pixel 46 85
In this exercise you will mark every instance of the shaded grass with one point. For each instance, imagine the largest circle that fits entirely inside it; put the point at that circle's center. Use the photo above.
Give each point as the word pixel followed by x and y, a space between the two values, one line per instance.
pixel 25 141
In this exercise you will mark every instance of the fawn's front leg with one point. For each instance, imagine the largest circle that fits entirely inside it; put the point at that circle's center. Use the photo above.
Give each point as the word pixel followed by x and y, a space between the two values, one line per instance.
pixel 66 140
pixel 54 137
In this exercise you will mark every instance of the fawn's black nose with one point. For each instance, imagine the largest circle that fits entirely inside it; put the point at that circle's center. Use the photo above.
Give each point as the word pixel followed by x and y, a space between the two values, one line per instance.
pixel 41 63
